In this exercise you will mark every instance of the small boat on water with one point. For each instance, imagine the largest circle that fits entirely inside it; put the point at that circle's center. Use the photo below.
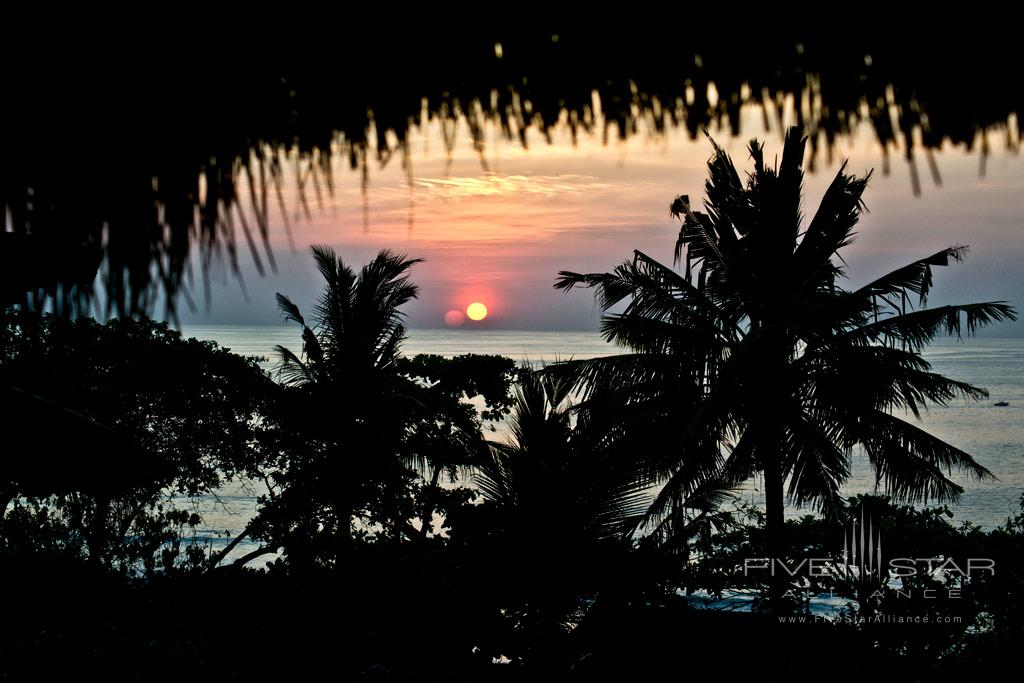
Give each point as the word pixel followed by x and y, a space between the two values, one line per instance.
pixel 1001 404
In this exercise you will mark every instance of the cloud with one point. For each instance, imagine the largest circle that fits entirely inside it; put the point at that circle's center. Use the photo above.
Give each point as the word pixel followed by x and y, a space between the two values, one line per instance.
pixel 498 185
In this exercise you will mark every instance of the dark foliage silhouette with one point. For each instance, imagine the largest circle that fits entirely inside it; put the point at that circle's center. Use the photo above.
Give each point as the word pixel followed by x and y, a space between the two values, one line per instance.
pixel 545 570
pixel 560 496
pixel 191 409
pixel 365 434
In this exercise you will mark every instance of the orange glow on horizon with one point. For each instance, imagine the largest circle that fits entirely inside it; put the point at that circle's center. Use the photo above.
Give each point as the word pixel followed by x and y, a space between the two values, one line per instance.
pixel 499 233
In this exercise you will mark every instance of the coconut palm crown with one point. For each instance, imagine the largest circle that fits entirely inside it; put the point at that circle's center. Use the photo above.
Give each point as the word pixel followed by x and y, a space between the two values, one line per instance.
pixel 753 360
pixel 566 476
pixel 359 327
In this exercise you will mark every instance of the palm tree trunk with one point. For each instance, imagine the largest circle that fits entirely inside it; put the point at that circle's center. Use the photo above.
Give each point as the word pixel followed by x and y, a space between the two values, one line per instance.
pixel 96 540
pixel 6 496
pixel 427 512
pixel 343 511
pixel 775 527
pixel 775 522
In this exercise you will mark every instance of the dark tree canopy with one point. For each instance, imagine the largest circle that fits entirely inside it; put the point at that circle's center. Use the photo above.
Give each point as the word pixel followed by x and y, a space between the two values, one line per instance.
pixel 116 419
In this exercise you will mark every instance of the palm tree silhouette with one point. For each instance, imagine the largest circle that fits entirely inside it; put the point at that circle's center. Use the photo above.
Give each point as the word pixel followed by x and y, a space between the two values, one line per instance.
pixel 358 327
pixel 558 480
pixel 753 360
pixel 347 381
pixel 564 499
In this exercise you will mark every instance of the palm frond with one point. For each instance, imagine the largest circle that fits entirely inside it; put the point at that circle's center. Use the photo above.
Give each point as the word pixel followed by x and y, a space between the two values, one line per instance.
pixel 912 464
pixel 816 465
pixel 629 375
pixel 311 347
pixel 653 335
pixel 831 229
pixel 918 328
pixel 290 368
pixel 672 519
pixel 699 239
pixel 654 290
pixel 853 381
pixel 914 278
pixel 290 310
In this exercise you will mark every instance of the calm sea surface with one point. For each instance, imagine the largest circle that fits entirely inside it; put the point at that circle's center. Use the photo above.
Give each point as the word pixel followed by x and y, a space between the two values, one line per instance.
pixel 993 435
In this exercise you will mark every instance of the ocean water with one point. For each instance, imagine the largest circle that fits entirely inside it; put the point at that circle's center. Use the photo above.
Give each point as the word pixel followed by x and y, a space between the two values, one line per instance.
pixel 535 347
pixel 993 435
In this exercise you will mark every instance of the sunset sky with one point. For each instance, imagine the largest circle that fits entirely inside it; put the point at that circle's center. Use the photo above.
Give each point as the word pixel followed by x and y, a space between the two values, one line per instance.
pixel 499 235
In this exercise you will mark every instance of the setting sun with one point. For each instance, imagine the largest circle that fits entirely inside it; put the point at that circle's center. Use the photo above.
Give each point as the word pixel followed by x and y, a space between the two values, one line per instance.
pixel 476 311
